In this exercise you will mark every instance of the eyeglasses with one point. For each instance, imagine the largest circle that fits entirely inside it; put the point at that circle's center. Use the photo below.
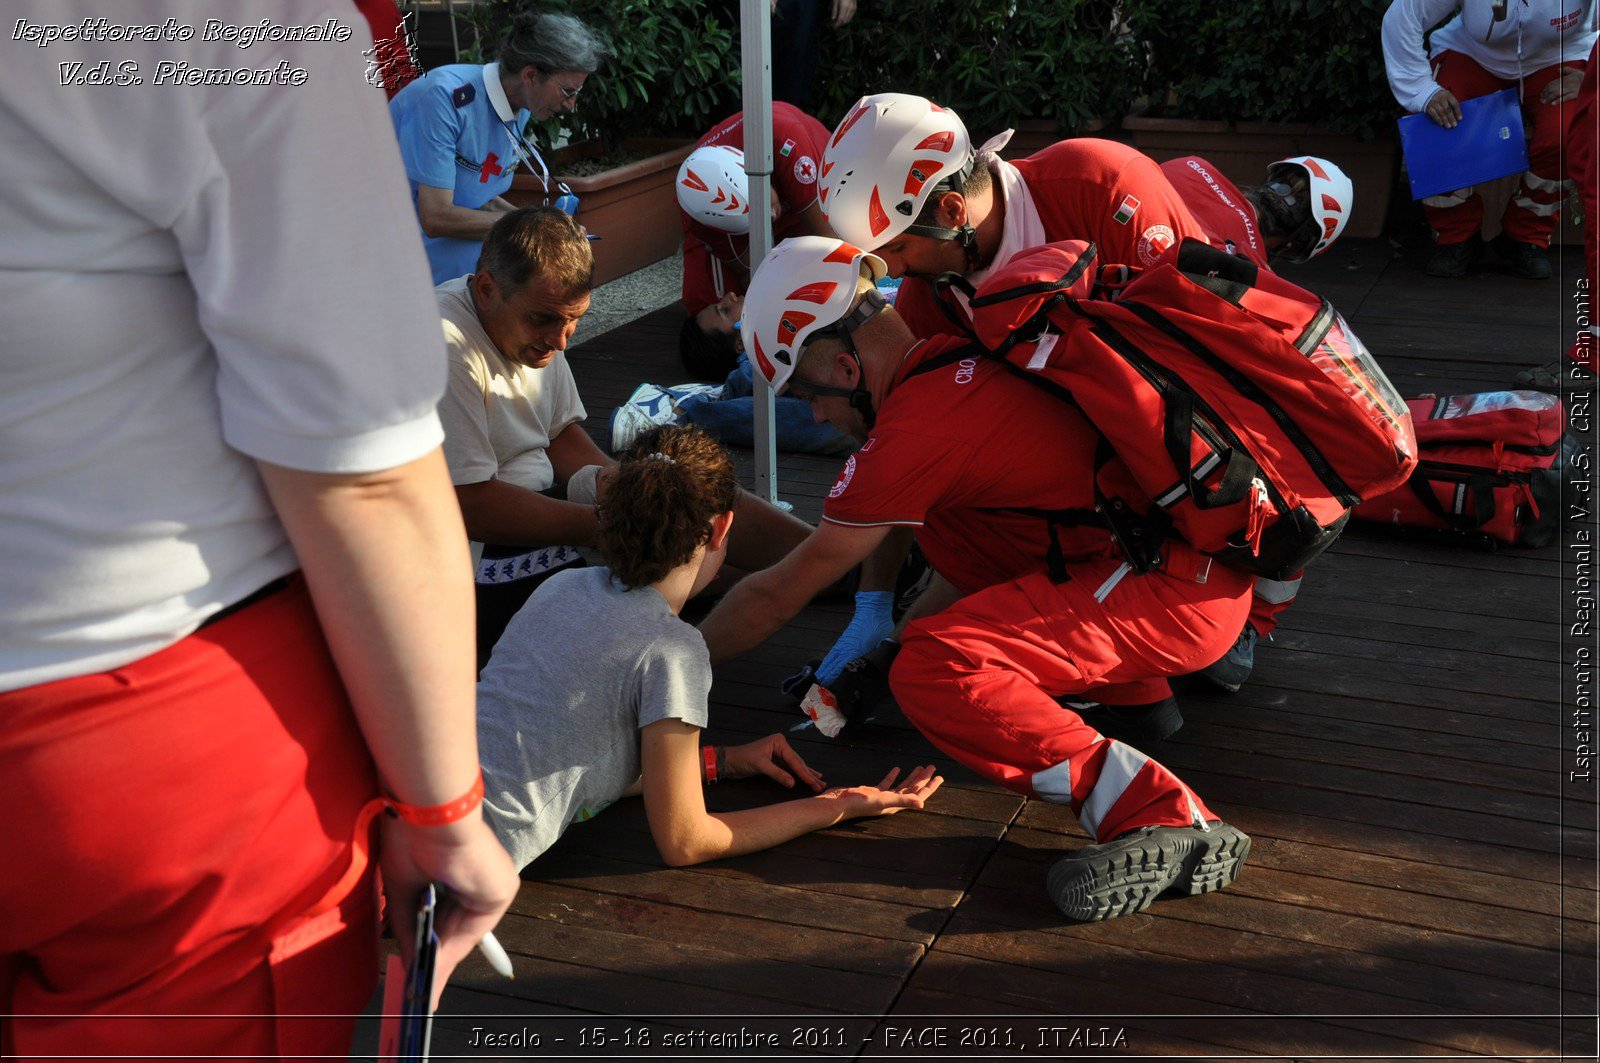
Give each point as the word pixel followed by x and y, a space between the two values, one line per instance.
pixel 805 391
pixel 566 93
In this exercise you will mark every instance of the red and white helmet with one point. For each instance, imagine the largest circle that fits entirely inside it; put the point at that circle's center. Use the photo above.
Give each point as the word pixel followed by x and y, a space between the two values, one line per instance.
pixel 713 189
pixel 883 160
pixel 1329 195
pixel 804 284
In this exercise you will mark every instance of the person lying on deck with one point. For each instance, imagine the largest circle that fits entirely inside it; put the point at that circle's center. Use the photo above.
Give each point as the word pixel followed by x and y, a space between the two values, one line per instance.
pixel 613 706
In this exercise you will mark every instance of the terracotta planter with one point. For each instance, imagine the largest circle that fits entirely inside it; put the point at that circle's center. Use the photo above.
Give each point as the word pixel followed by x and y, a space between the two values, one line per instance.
pixel 1036 134
pixel 1245 150
pixel 632 209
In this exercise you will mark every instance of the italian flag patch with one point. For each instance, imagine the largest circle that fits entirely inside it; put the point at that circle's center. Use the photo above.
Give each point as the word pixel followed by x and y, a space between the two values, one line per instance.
pixel 788 146
pixel 1124 213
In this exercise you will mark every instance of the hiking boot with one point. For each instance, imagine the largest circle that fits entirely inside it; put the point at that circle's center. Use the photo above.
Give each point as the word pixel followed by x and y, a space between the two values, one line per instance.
pixel 1528 261
pixel 1141 726
pixel 1125 875
pixel 1453 260
pixel 1231 670
pixel 1563 374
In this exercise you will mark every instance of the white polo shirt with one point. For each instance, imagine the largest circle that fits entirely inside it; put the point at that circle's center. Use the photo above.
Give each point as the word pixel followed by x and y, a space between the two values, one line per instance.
pixel 190 278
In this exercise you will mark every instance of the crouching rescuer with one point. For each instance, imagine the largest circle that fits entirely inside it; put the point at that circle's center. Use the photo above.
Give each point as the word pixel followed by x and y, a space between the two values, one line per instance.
pixel 1027 615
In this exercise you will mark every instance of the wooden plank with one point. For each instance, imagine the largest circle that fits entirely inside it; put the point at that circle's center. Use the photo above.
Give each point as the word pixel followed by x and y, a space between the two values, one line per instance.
pixel 1294 739
pixel 651 915
pixel 1380 726
pixel 769 983
pixel 1035 968
pixel 1286 976
pixel 779 905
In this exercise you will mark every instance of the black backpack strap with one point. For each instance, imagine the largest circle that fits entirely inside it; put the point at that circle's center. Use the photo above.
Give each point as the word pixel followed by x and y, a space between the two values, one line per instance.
pixel 1036 325
pixel 950 357
pixel 1480 486
pixel 1176 433
pixel 941 286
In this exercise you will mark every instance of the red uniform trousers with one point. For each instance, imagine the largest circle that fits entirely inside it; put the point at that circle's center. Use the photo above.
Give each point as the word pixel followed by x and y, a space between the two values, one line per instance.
pixel 1583 166
pixel 980 680
pixel 1271 599
pixel 169 826
pixel 1530 216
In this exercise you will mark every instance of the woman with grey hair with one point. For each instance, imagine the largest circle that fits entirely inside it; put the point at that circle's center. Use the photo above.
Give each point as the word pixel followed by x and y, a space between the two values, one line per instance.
pixel 460 130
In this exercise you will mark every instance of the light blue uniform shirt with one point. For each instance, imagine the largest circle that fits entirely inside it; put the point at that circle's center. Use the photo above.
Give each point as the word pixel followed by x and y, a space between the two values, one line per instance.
pixel 457 130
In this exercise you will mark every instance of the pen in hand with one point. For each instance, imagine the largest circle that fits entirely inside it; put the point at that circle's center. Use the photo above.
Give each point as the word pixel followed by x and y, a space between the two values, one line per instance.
pixel 496 955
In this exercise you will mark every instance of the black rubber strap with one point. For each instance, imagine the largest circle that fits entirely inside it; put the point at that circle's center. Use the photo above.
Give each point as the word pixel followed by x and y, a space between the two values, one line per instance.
pixel 1176 434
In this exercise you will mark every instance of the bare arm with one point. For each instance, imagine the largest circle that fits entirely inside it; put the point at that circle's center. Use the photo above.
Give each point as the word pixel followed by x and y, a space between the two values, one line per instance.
pixel 503 513
pixel 386 562
pixel 440 216
pixel 686 833
pixel 571 450
pixel 763 534
pixel 764 601
pixel 881 569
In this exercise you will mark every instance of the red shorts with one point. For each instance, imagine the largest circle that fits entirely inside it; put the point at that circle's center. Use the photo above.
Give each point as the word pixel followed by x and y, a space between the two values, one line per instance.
pixel 169 824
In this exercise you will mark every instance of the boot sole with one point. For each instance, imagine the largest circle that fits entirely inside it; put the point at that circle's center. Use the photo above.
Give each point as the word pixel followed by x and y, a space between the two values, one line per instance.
pixel 1125 877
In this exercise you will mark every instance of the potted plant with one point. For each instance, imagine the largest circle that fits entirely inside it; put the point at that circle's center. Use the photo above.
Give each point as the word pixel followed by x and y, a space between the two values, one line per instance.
pixel 1246 84
pixel 634 123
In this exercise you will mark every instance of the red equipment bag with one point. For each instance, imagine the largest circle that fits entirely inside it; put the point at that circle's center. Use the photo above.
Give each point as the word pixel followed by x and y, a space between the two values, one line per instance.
pixel 1490 466
pixel 1244 406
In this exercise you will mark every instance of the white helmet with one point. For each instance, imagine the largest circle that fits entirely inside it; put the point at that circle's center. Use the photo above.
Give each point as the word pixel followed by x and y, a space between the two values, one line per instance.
pixel 805 284
pixel 1329 195
pixel 712 188
pixel 887 155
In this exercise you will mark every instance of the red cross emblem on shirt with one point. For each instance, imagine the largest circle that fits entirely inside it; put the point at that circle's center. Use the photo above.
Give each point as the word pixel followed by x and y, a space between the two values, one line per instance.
pixel 490 168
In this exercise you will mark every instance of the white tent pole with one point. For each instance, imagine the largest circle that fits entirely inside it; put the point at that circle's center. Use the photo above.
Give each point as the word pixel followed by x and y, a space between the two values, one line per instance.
pixel 755 39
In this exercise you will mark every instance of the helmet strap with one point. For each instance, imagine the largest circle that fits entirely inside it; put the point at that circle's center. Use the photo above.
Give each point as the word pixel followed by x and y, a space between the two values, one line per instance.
pixel 859 398
pixel 966 235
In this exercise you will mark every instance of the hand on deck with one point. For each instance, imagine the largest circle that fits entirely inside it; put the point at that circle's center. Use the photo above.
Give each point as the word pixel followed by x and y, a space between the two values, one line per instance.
pixel 886 799
pixel 773 757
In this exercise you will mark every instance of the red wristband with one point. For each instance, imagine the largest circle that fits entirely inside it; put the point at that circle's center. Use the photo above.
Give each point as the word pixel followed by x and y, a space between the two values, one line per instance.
pixel 439 815
pixel 708 757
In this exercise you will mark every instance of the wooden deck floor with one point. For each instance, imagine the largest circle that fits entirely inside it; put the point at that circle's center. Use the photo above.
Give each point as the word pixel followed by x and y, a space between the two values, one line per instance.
pixel 1423 880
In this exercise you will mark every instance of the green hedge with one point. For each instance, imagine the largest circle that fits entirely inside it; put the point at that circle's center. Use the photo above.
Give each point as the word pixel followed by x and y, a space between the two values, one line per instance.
pixel 1317 61
pixel 994 63
pixel 1064 61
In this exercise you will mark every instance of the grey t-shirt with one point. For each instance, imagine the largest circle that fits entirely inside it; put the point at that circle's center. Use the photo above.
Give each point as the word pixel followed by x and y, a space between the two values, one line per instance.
pixel 581 668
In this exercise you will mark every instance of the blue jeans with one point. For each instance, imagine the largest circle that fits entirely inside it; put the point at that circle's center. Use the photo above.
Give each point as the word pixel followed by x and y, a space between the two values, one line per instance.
pixel 730 417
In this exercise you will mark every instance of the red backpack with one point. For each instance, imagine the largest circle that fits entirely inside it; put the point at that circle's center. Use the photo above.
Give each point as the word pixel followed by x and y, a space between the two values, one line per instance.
pixel 1490 467
pixel 1244 406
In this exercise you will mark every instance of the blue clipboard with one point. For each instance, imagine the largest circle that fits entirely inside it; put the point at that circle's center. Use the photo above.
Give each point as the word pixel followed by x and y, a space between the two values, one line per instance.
pixel 1488 143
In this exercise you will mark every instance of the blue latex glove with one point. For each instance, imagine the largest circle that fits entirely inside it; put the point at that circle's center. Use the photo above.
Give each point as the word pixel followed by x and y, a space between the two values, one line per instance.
pixel 872 624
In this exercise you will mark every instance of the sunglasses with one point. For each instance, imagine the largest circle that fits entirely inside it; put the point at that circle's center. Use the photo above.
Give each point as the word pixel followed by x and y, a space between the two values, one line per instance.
pixel 806 391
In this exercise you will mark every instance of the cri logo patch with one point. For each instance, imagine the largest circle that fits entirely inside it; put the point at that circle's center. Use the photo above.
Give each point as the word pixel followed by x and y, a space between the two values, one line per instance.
pixel 1154 241
pixel 844 477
